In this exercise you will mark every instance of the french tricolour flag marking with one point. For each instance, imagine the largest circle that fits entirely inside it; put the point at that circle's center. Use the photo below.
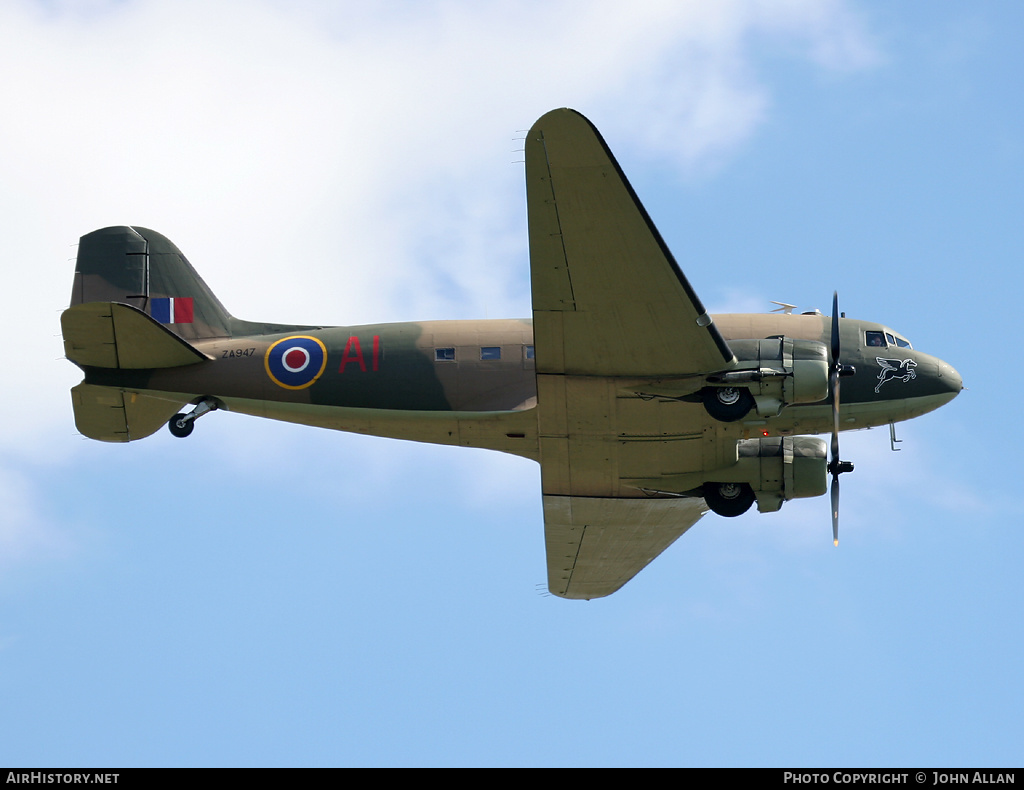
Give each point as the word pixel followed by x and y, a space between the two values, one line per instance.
pixel 172 310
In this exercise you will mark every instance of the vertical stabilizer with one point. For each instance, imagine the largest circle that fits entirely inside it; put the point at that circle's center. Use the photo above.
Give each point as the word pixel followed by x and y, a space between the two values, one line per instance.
pixel 144 269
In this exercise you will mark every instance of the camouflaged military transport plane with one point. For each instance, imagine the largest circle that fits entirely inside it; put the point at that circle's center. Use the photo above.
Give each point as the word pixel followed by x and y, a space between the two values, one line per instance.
pixel 643 411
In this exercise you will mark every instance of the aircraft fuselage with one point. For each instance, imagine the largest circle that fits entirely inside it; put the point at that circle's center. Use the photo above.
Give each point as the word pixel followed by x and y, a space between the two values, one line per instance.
pixel 474 383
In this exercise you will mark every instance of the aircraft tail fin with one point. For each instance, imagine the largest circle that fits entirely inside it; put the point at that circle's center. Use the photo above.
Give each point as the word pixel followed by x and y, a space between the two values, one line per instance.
pixel 142 268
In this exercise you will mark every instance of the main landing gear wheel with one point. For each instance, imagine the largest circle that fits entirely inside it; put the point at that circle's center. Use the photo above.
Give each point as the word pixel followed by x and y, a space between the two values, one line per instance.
pixel 727 404
pixel 729 499
pixel 179 426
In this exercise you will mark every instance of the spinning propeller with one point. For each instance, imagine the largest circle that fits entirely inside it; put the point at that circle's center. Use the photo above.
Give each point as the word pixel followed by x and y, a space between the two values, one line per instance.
pixel 837 370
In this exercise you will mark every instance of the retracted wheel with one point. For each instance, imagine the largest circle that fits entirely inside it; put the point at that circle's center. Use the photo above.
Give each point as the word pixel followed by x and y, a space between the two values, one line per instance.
pixel 729 499
pixel 727 404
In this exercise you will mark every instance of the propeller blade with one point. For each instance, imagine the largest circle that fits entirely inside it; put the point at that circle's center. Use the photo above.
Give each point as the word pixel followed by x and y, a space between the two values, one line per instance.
pixel 835 329
pixel 833 377
pixel 834 381
pixel 835 509
pixel 837 371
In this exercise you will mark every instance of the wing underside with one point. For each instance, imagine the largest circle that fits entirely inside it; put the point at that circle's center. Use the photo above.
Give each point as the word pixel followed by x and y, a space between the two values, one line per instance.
pixel 594 546
pixel 610 305
pixel 608 297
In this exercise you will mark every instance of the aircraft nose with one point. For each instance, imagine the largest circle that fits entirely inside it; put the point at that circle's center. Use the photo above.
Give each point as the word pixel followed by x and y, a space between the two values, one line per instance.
pixel 950 378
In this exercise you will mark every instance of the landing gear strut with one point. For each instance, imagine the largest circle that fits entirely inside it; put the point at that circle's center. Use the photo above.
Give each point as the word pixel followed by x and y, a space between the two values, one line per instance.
pixel 181 424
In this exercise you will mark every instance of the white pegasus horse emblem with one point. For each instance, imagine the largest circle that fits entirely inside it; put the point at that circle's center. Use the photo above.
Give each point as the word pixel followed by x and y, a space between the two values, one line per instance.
pixel 902 369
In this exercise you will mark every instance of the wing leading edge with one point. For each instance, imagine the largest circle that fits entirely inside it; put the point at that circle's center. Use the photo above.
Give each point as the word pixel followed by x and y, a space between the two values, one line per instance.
pixel 609 303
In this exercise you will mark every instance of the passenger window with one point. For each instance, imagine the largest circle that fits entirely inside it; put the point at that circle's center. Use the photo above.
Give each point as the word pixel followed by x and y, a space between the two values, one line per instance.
pixel 528 350
pixel 490 352
pixel 876 339
pixel 444 354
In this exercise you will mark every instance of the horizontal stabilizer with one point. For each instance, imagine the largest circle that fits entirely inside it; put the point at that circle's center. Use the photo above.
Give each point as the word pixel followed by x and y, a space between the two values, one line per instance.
pixel 110 414
pixel 113 335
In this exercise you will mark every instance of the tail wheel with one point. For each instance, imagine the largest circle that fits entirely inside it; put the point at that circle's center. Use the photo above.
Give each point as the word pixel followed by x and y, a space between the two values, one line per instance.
pixel 179 426
pixel 727 404
pixel 729 499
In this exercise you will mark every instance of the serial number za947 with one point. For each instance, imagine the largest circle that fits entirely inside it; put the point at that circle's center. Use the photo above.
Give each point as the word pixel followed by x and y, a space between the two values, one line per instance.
pixel 238 352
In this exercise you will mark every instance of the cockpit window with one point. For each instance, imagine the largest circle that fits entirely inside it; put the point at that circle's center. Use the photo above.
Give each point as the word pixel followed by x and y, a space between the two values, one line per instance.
pixel 886 339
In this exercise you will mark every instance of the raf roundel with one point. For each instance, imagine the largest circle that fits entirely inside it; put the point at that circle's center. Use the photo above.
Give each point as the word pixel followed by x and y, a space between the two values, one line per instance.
pixel 296 362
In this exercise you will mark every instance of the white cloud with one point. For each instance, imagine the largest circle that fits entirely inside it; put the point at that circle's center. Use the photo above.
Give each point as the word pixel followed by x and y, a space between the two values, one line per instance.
pixel 261 135
pixel 339 163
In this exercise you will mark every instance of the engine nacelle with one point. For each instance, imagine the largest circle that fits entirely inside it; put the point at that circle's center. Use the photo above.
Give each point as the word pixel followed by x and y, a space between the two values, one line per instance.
pixel 771 375
pixel 771 470
pixel 787 467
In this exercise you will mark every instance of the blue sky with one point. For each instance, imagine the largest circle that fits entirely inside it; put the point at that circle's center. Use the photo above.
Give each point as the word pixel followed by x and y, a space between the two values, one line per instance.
pixel 265 594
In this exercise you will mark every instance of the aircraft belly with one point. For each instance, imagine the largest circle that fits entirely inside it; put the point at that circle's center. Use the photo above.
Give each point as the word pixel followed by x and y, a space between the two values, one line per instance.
pixel 595 438
pixel 511 432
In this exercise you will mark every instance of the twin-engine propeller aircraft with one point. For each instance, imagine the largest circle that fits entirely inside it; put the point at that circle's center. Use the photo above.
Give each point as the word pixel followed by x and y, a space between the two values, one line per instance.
pixel 643 410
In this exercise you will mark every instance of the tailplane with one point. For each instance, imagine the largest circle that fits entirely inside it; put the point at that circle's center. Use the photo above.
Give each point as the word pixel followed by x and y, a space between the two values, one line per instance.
pixel 111 414
pixel 138 305
pixel 118 336
pixel 114 335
